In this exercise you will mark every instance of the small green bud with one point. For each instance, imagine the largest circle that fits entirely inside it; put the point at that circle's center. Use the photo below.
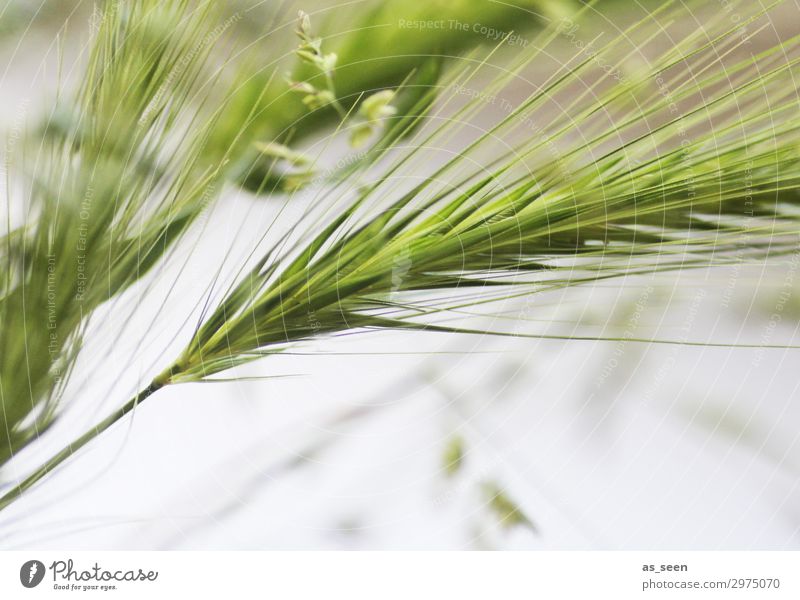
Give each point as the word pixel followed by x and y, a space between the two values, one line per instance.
pixel 328 62
pixel 318 100
pixel 360 135
pixel 302 87
pixel 303 23
pixel 281 152
pixel 377 106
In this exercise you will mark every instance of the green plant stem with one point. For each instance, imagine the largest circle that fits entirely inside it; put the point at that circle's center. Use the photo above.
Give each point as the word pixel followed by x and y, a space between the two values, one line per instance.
pixel 73 447
pixel 336 104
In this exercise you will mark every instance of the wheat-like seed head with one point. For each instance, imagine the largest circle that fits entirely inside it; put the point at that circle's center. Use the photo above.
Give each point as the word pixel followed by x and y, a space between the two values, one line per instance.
pixel 673 167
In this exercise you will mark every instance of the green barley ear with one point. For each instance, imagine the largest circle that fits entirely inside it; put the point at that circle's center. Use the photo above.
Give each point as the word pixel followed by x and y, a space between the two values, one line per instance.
pixel 553 210
pixel 116 180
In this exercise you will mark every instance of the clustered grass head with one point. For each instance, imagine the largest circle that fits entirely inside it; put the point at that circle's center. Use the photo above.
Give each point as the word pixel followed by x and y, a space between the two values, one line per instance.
pixel 334 72
pixel 672 168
